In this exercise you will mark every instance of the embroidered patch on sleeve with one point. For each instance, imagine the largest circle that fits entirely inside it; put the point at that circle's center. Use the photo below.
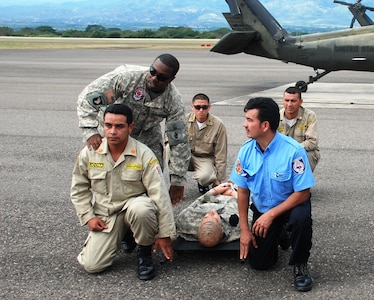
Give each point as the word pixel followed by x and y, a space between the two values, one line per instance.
pixel 101 99
pixel 159 171
pixel 153 162
pixel 238 167
pixel 298 166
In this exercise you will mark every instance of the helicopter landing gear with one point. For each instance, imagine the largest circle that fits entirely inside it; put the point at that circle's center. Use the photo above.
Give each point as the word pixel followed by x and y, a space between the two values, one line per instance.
pixel 303 86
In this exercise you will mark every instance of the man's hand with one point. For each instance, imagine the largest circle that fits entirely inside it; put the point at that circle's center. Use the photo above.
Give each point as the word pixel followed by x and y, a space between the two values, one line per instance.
pixel 176 194
pixel 246 238
pixel 222 188
pixel 216 183
pixel 96 224
pixel 262 225
pixel 94 141
pixel 166 248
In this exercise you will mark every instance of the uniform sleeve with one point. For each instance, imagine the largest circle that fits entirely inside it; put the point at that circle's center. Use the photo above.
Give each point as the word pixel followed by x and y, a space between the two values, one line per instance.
pixel 80 193
pixel 220 153
pixel 93 100
pixel 155 185
pixel 236 175
pixel 180 153
pixel 302 172
pixel 311 134
pixel 188 220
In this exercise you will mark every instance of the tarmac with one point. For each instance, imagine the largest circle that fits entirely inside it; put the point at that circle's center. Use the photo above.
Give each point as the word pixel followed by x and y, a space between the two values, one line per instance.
pixel 40 139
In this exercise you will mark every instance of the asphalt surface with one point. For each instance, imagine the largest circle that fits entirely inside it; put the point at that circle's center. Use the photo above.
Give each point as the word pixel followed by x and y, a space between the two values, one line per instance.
pixel 40 234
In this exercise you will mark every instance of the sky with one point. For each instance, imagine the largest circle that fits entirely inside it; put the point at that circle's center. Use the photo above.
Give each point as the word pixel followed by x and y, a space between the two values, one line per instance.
pixel 31 2
pixel 365 2
pixel 267 3
pixel 286 12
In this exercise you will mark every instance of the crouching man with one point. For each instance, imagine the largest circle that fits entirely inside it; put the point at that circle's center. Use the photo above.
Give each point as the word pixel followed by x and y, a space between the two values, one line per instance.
pixel 120 187
pixel 273 171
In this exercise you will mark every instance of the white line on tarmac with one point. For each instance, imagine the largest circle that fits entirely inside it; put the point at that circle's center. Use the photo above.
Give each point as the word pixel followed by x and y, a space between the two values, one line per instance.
pixel 327 95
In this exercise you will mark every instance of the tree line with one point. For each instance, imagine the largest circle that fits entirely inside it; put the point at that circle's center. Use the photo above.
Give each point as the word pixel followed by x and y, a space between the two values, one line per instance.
pixel 98 31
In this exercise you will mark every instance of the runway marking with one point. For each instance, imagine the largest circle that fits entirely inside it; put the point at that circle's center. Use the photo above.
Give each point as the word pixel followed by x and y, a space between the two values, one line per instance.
pixel 326 95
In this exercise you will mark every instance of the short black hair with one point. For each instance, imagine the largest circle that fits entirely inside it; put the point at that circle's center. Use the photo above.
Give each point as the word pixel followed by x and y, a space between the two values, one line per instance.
pixel 268 110
pixel 170 61
pixel 120 109
pixel 200 96
pixel 293 90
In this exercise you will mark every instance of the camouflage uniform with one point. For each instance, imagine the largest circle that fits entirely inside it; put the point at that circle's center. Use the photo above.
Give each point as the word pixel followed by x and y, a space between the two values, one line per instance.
pixel 303 130
pixel 127 84
pixel 189 219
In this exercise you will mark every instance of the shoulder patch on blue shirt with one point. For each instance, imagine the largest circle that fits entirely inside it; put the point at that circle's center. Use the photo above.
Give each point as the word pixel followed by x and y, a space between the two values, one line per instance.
pixel 238 167
pixel 298 165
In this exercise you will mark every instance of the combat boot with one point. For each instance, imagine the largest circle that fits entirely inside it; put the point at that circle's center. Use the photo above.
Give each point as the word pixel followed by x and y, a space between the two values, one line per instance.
pixel 203 189
pixel 303 281
pixel 128 242
pixel 146 270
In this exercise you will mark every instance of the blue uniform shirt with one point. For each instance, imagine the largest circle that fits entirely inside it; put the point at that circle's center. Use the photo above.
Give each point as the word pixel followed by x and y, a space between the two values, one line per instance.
pixel 273 175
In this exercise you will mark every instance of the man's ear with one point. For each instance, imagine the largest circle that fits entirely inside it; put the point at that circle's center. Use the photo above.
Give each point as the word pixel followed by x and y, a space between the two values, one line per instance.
pixel 266 126
pixel 131 126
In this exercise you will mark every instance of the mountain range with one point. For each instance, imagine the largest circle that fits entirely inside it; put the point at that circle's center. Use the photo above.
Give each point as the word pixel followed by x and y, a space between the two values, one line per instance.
pixel 135 14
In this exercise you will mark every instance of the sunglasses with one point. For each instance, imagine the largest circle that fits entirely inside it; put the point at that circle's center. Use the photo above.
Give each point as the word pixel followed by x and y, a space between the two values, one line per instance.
pixel 160 77
pixel 198 107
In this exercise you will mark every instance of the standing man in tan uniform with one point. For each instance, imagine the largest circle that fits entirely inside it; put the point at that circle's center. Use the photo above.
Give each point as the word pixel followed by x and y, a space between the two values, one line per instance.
pixel 208 144
pixel 120 187
pixel 300 123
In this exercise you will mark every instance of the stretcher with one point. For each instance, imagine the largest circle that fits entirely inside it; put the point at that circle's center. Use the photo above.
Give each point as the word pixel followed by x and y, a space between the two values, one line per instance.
pixel 180 244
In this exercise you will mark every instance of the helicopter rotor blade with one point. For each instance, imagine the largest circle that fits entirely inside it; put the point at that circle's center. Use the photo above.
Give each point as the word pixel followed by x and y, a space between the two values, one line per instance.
pixel 352 22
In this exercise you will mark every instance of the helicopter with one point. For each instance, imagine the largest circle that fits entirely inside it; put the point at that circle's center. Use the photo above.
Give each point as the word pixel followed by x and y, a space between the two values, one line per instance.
pixel 256 32
pixel 359 13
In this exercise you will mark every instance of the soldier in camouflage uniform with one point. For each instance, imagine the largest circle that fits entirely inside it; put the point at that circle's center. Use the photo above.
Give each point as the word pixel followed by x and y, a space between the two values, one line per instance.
pixel 223 199
pixel 152 96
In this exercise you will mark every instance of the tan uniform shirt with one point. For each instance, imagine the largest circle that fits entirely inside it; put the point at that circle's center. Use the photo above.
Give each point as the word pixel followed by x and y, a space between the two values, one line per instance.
pixel 102 187
pixel 209 141
pixel 304 130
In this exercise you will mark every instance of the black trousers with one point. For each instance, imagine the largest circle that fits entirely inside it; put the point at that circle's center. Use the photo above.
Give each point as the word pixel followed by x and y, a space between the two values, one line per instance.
pixel 298 222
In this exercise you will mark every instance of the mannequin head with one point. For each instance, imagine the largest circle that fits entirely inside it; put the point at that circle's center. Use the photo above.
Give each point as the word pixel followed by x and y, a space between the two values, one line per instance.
pixel 210 229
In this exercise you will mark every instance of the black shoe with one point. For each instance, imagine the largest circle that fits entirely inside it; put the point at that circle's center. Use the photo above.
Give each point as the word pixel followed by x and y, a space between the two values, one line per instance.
pixel 203 189
pixel 146 270
pixel 284 238
pixel 303 281
pixel 128 242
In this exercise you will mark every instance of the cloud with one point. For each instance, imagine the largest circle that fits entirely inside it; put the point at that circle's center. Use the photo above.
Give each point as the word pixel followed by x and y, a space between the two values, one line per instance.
pixel 185 10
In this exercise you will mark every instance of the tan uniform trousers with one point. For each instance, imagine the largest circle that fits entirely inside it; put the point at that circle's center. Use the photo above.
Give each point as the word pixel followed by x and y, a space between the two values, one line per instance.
pixel 100 248
pixel 205 171
pixel 313 157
